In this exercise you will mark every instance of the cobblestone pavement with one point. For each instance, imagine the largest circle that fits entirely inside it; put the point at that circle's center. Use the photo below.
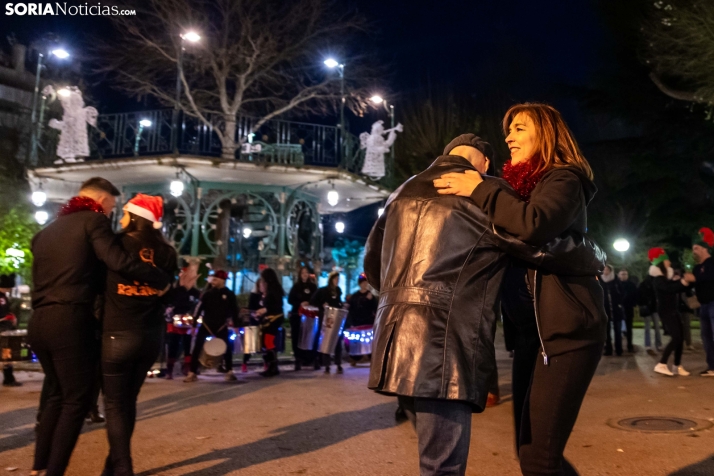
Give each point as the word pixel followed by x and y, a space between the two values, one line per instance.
pixel 315 424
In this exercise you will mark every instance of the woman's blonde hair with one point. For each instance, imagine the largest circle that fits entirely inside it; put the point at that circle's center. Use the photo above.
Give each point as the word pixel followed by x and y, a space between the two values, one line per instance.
pixel 554 141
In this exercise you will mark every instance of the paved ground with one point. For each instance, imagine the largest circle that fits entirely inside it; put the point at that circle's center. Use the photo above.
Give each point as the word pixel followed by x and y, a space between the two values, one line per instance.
pixel 316 424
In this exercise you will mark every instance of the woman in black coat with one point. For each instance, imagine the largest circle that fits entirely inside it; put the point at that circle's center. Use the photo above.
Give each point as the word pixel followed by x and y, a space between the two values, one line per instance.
pixel 271 317
pixel 300 295
pixel 554 184
pixel 133 327
pixel 668 288
pixel 330 295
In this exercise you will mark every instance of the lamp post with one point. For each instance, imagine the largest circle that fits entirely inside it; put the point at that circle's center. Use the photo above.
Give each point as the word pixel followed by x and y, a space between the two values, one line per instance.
pixel 332 63
pixel 193 37
pixel 142 124
pixel 377 99
pixel 34 132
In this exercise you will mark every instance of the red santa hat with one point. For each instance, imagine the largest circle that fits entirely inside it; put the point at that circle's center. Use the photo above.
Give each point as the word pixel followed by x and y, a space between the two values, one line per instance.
pixel 704 238
pixel 148 207
pixel 657 256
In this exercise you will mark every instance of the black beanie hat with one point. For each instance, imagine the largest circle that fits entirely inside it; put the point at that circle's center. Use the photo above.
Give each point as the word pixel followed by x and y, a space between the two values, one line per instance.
pixel 7 280
pixel 471 140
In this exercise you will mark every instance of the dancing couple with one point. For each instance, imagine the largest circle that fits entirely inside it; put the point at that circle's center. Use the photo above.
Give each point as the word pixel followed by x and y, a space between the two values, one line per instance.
pixel 78 258
pixel 440 284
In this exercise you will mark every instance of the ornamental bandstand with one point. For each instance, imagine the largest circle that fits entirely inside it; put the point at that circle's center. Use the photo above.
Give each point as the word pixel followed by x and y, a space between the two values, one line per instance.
pixel 263 207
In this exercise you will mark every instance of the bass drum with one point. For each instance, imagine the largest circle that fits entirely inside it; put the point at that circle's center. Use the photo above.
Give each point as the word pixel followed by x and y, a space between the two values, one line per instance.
pixel 332 324
pixel 251 340
pixel 213 351
pixel 308 327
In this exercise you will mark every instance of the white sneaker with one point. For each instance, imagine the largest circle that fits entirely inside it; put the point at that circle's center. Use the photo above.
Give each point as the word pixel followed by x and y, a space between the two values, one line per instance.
pixel 191 377
pixel 663 369
pixel 679 370
pixel 707 373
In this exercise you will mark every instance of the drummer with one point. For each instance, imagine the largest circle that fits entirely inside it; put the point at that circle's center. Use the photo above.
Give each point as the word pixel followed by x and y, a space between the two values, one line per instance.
pixel 300 295
pixel 271 317
pixel 8 322
pixel 218 308
pixel 330 295
pixel 248 319
pixel 362 310
pixel 185 299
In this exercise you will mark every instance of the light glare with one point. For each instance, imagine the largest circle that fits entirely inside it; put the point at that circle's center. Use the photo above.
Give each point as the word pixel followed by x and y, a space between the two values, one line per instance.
pixel 60 53
pixel 340 227
pixel 39 198
pixel 621 245
pixel 333 197
pixel 41 217
pixel 64 92
pixel 145 123
pixel 376 99
pixel 191 36
pixel 176 188
pixel 380 212
pixel 331 63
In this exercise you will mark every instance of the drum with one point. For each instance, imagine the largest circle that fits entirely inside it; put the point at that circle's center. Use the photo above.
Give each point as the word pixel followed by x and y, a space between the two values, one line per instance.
pixel 14 346
pixel 308 327
pixel 360 339
pixel 213 351
pixel 251 340
pixel 183 321
pixel 333 322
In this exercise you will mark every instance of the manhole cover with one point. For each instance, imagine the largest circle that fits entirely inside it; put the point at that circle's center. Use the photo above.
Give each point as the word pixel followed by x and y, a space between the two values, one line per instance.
pixel 659 424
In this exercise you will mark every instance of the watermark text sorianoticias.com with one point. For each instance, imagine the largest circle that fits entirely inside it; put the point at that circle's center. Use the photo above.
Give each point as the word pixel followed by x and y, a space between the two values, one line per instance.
pixel 62 8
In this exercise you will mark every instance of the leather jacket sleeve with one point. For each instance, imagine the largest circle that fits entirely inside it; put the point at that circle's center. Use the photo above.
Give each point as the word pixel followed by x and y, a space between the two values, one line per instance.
pixel 373 253
pixel 108 249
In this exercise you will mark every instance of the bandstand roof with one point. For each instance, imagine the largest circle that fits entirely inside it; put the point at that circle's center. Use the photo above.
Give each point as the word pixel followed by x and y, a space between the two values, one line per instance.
pixel 62 181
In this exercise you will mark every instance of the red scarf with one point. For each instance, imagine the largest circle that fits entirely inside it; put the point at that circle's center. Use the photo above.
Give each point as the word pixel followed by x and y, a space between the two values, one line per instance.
pixel 522 177
pixel 78 204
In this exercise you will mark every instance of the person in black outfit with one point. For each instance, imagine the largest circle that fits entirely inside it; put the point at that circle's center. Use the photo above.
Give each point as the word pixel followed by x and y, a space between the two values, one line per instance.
pixel 8 322
pixel 668 287
pixel 249 319
pixel 300 295
pixel 362 309
pixel 613 308
pixel 703 278
pixel 184 299
pixel 71 255
pixel 330 295
pixel 271 318
pixel 219 308
pixel 629 301
pixel 133 327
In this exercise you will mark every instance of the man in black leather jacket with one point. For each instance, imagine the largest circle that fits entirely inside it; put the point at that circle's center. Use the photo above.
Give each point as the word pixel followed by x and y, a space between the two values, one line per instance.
pixel 438 264
pixel 70 256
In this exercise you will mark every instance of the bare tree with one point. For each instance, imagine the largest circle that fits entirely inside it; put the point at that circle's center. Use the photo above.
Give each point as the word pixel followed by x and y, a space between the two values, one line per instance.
pixel 679 45
pixel 261 58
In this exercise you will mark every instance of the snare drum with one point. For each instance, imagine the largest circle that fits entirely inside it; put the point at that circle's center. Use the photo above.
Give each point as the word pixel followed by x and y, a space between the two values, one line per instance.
pixel 14 346
pixel 333 322
pixel 309 322
pixel 251 340
pixel 360 339
pixel 213 351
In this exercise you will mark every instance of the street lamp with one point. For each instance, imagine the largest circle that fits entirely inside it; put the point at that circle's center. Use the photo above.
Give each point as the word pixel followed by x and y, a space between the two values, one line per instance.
pixel 332 64
pixel 142 124
pixel 191 37
pixel 34 131
pixel 39 198
pixel 340 227
pixel 41 217
pixel 621 245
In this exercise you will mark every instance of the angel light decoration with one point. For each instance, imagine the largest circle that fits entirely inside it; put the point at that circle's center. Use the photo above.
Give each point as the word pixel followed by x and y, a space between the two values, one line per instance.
pixel 74 143
pixel 377 146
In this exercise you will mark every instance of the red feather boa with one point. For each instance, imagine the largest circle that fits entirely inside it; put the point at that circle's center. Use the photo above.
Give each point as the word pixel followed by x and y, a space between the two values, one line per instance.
pixel 522 177
pixel 79 204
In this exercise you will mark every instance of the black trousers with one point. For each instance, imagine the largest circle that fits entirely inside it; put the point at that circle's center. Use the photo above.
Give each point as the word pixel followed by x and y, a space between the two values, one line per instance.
pixel 64 340
pixel 295 322
pixel 443 429
pixel 673 325
pixel 548 398
pixel 198 347
pixel 629 317
pixel 178 343
pixel 614 324
pixel 127 356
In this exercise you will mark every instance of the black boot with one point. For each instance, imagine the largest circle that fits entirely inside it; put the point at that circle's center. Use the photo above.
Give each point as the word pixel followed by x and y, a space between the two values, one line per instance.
pixel 272 365
pixel 95 417
pixel 9 377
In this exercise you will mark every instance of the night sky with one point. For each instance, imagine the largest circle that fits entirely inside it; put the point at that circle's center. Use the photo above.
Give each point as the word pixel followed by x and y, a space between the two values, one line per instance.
pixel 523 49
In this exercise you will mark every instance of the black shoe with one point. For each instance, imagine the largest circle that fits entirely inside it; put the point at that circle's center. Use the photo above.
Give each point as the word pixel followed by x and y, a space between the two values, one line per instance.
pixel 13 383
pixel 327 370
pixel 400 415
pixel 340 371
pixel 298 366
pixel 95 417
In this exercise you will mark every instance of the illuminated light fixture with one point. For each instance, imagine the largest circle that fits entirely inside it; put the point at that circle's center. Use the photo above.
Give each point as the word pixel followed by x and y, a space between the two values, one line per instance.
pixel 39 197
pixel 60 53
pixel 64 92
pixel 377 99
pixel 333 197
pixel 621 245
pixel 380 212
pixel 247 232
pixel 331 63
pixel 145 123
pixel 340 227
pixel 41 217
pixel 176 188
pixel 191 36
